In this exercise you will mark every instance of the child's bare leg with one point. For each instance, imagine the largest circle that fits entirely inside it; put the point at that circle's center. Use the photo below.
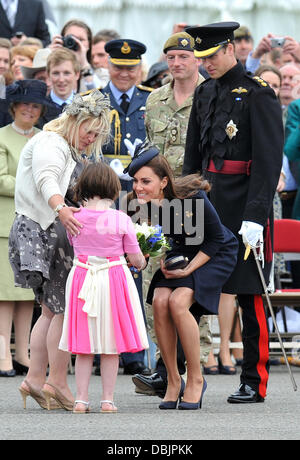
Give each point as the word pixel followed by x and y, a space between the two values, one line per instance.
pixel 83 371
pixel 109 365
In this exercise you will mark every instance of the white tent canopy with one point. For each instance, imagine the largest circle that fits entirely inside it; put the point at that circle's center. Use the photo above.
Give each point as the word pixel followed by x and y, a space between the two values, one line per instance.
pixel 151 21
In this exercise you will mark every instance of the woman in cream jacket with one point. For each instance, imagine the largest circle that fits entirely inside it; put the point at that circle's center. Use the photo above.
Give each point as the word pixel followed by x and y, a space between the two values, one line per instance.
pixel 40 253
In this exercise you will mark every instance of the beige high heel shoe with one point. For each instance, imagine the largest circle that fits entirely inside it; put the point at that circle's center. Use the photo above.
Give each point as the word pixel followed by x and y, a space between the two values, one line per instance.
pixel 61 400
pixel 37 396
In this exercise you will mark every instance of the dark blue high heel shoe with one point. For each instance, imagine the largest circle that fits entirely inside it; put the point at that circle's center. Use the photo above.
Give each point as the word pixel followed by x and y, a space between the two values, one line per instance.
pixel 20 368
pixel 183 405
pixel 164 405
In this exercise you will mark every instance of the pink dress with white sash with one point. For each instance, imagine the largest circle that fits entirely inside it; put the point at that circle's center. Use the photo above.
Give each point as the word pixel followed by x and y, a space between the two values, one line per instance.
pixel 103 311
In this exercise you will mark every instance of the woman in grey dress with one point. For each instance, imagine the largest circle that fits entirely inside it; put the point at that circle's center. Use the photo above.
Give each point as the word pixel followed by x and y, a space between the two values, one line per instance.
pixel 39 252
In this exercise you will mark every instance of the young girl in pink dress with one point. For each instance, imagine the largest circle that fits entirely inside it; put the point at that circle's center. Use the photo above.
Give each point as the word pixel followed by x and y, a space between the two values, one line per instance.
pixel 103 312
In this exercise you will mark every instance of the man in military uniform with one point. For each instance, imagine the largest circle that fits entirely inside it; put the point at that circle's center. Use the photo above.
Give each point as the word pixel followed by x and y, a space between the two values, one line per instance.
pixel 167 114
pixel 235 138
pixel 128 103
pixel 168 108
pixel 243 44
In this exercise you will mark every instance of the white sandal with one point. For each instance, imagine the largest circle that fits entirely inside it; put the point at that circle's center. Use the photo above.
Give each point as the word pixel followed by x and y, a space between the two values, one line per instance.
pixel 87 408
pixel 113 407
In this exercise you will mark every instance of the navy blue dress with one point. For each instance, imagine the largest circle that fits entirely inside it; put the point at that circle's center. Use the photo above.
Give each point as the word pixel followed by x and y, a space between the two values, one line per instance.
pixel 216 241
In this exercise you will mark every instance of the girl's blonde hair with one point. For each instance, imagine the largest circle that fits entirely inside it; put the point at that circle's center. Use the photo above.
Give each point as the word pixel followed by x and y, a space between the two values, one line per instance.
pixel 68 125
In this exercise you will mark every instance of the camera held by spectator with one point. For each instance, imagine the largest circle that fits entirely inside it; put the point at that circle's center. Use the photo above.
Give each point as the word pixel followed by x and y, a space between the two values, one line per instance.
pixel 70 43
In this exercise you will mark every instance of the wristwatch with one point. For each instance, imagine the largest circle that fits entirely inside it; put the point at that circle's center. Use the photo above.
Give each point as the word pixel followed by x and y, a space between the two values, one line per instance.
pixel 59 207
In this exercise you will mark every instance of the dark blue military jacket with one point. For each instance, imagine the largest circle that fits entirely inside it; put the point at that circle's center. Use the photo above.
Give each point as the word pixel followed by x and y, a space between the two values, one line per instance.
pixel 132 124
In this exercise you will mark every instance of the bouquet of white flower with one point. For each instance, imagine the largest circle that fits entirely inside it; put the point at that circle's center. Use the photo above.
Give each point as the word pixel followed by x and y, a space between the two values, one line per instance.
pixel 151 239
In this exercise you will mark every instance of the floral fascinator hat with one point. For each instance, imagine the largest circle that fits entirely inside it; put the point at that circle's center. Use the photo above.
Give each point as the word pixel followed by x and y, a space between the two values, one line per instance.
pixel 94 104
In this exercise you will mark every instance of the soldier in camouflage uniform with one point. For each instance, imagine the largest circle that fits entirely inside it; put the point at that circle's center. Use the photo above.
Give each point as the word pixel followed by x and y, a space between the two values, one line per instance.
pixel 166 120
pixel 166 124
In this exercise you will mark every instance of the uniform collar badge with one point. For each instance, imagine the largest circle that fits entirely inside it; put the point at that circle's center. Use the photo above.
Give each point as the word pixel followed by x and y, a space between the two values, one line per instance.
pixel 231 129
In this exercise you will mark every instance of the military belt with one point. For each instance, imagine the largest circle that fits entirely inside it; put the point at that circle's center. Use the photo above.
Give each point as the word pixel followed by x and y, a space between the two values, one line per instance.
pixel 231 167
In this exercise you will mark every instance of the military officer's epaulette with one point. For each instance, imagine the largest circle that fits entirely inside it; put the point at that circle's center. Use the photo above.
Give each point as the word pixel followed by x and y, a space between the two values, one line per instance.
pixel 145 88
pixel 86 93
pixel 258 80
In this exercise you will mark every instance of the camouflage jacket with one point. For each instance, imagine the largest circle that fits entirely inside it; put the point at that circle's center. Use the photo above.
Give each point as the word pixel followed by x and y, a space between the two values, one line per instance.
pixel 166 124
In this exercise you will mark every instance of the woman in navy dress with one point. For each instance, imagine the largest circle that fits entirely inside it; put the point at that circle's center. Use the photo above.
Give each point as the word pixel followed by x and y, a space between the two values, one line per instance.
pixel 195 231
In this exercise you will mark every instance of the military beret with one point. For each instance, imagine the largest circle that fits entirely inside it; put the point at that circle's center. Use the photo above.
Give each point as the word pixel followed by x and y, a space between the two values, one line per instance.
pixel 211 37
pixel 143 154
pixel 243 32
pixel 125 52
pixel 179 41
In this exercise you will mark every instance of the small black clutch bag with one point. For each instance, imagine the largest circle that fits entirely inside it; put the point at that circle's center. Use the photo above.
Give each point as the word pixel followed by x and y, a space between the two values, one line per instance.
pixel 176 262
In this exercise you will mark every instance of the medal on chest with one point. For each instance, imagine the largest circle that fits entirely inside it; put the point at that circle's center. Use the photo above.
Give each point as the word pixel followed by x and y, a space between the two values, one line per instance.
pixel 231 129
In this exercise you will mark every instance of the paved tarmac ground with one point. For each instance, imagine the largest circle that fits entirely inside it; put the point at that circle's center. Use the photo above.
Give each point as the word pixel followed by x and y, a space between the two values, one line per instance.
pixel 139 418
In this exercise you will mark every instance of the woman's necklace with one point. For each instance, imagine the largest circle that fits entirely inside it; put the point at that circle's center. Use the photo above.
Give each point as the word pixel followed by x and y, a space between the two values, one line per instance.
pixel 24 132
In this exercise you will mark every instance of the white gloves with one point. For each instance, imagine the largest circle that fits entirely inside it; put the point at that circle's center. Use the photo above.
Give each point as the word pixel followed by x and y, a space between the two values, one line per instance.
pixel 131 146
pixel 252 233
pixel 117 166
